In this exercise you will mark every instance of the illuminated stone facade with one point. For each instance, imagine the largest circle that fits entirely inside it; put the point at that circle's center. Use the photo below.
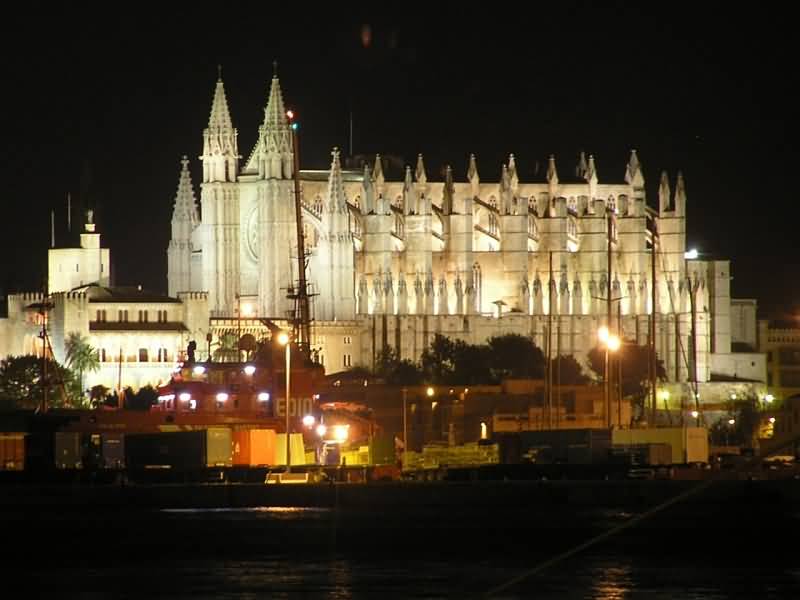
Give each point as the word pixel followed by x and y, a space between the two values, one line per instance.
pixel 399 261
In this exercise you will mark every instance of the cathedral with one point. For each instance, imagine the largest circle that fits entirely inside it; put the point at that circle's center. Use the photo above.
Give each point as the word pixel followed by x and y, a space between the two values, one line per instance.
pixel 392 263
pixel 395 262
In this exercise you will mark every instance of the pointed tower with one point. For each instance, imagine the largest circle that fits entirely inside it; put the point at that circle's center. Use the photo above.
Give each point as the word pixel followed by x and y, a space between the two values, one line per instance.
pixel 582 168
pixel 423 202
pixel 272 156
pixel 447 191
pixel 336 283
pixel 513 176
pixel 473 177
pixel 552 179
pixel 219 198
pixel 680 196
pixel 184 222
pixel 380 180
pixel 663 194
pixel 591 177
pixel 634 176
pixel 368 191
pixel 220 141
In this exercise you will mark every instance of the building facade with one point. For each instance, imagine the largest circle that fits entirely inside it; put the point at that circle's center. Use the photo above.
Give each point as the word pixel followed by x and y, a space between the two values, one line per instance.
pixel 396 262
pixel 393 262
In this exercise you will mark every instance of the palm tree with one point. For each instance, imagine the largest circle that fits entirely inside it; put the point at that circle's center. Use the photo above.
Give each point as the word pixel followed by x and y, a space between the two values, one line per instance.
pixel 81 357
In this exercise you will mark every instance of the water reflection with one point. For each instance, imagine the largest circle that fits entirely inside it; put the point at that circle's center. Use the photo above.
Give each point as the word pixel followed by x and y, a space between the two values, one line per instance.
pixel 612 581
pixel 341 580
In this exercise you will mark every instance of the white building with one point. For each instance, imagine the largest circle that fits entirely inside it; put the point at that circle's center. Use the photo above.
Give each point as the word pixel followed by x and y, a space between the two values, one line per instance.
pixel 395 262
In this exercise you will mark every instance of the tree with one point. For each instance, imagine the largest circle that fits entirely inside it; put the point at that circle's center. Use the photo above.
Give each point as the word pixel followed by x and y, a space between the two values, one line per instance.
pixel 22 385
pixel 396 371
pixel 568 371
pixel 146 397
pixel 97 395
pixel 438 360
pixel 635 371
pixel 81 357
pixel 472 364
pixel 514 355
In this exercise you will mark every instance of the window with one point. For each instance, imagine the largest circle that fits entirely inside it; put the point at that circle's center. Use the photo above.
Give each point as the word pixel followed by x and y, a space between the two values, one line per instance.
pixel 77 268
pixel 493 201
pixel 123 316
pixel 162 316
pixel 142 316
pixel 101 316
pixel 348 340
pixel 142 354
pixel 347 360
pixel 163 355
pixel 493 228
pixel 318 205
pixel 102 355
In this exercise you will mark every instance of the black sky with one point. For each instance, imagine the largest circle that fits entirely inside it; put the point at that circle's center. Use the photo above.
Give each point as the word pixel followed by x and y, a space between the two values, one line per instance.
pixel 103 106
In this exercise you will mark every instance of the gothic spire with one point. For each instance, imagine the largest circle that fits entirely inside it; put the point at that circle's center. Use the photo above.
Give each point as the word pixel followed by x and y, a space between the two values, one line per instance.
pixel 419 174
pixel 582 167
pixel 552 174
pixel 447 191
pixel 663 193
pixel 220 145
pixel 185 208
pixel 408 195
pixel 337 202
pixel 472 171
pixel 275 113
pixel 272 156
pixel 680 196
pixel 513 177
pixel 633 172
pixel 591 169
pixel 369 191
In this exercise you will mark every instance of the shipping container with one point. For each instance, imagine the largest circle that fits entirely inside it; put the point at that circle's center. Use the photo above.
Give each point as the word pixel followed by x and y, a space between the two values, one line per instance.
pixel 297 450
pixel 381 450
pixel 185 450
pixel 689 444
pixel 254 447
pixel 68 450
pixel 576 446
pixel 113 450
pixel 219 447
pixel 12 451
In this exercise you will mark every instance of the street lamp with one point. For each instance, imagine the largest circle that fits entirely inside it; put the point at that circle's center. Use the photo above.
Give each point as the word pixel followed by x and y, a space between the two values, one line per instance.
pixel 283 340
pixel 611 343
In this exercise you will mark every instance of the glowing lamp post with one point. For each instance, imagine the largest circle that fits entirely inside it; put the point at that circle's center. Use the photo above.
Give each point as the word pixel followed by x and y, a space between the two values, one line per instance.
pixel 611 343
pixel 283 340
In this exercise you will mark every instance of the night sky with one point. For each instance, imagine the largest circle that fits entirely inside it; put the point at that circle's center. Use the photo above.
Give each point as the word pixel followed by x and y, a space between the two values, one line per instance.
pixel 104 106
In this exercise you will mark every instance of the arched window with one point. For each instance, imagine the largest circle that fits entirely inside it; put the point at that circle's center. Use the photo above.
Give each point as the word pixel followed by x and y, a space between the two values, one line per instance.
pixel 398 201
pixel 532 229
pixel 493 227
pixel 318 205
pixel 357 201
pixel 493 201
